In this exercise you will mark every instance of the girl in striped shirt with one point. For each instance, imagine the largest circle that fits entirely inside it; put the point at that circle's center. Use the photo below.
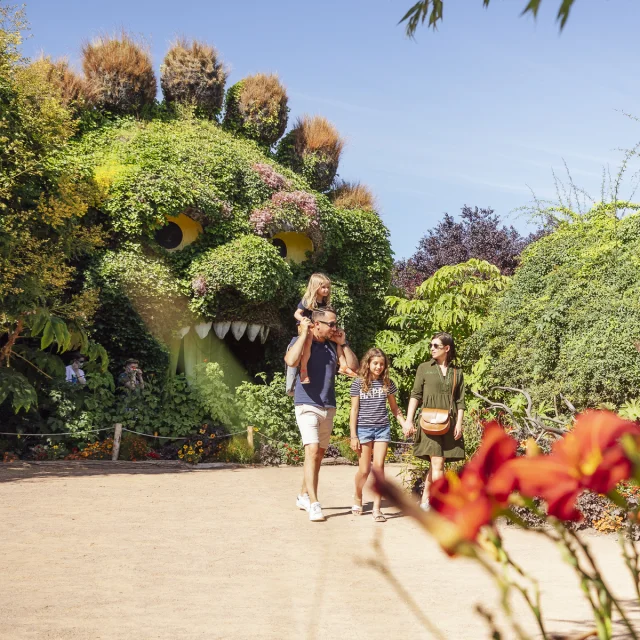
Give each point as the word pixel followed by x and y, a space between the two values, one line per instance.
pixel 369 422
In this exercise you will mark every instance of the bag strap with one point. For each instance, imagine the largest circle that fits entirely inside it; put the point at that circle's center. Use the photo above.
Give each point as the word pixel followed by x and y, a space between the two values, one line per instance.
pixel 453 390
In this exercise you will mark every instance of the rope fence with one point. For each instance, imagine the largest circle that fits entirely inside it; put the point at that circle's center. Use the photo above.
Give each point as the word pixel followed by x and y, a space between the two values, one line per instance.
pixel 117 428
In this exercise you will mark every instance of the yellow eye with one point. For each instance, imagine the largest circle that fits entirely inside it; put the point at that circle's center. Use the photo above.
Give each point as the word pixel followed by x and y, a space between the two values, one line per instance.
pixel 293 246
pixel 178 233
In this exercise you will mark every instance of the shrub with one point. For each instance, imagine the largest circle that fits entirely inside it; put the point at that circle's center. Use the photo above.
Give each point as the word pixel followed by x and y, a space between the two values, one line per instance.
pixel 207 442
pixel 214 395
pixel 266 406
pixel 352 195
pixel 313 148
pixel 192 73
pixel 133 447
pixel 238 450
pixel 119 74
pixel 257 108
pixel 576 290
pixel 245 271
pixel 72 88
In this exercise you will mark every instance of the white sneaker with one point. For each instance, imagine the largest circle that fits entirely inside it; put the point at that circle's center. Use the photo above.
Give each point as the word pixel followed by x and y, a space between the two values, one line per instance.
pixel 425 506
pixel 315 513
pixel 302 502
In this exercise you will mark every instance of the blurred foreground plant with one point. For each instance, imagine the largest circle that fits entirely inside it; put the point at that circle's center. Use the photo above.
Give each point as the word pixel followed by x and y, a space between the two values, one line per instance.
pixel 597 454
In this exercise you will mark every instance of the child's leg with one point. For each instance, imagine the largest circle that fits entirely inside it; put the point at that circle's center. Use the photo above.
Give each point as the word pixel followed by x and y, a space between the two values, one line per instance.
pixel 364 467
pixel 379 455
pixel 343 363
pixel 304 361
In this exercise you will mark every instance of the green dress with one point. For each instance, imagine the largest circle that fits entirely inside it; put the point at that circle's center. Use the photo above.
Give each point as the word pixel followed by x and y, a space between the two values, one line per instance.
pixel 433 390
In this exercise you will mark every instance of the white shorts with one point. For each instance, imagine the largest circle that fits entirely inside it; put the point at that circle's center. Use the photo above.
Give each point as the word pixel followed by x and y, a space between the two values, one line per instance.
pixel 315 424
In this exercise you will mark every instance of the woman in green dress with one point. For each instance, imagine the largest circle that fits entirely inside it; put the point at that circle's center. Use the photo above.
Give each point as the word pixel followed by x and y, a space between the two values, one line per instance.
pixel 433 389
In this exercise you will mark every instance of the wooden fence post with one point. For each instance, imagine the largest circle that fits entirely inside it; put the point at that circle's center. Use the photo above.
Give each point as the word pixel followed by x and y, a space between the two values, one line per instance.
pixel 250 436
pixel 116 441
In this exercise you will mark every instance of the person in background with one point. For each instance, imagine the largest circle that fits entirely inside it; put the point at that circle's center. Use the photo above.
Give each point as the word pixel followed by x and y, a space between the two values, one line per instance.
pixel 73 372
pixel 131 378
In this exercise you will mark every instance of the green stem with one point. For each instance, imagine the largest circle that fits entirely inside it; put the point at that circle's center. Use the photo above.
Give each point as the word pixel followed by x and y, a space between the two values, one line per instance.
pixel 503 585
pixel 602 586
pixel 507 561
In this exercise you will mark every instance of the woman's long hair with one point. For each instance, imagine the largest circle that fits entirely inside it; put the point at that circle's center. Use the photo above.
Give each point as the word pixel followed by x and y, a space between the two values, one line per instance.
pixel 447 341
pixel 365 372
pixel 315 282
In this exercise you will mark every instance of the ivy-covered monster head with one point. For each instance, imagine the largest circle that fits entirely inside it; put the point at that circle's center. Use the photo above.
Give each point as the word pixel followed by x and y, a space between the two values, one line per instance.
pixel 213 241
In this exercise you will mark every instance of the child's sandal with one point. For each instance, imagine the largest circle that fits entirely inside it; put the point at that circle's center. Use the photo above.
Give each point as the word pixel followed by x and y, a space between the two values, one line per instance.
pixel 304 377
pixel 378 516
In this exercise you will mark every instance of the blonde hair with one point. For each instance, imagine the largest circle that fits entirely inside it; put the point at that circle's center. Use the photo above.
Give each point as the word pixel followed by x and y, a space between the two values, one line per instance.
pixel 365 371
pixel 315 282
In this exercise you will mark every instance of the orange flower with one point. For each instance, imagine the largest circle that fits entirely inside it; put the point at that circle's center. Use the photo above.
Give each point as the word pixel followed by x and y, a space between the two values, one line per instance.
pixel 589 457
pixel 469 501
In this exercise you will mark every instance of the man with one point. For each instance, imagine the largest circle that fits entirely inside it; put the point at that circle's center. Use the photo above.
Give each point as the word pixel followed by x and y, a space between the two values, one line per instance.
pixel 131 377
pixel 316 401
pixel 73 372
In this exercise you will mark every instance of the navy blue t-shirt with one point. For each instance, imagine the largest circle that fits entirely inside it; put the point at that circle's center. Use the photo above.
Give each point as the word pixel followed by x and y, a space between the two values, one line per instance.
pixel 308 313
pixel 323 364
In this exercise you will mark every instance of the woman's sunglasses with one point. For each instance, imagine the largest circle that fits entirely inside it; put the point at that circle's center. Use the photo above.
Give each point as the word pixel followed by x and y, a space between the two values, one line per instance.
pixel 437 346
pixel 333 324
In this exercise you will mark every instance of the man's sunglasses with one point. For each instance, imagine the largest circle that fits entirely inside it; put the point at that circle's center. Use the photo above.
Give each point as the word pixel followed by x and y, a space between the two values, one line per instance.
pixel 436 346
pixel 333 324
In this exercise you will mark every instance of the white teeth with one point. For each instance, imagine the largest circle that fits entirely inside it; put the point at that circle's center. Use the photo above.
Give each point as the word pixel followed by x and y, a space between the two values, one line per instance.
pixel 264 332
pixel 253 330
pixel 221 329
pixel 238 328
pixel 183 332
pixel 203 329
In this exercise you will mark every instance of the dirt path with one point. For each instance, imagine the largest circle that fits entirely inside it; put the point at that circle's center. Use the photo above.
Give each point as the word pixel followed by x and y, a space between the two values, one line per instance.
pixel 164 553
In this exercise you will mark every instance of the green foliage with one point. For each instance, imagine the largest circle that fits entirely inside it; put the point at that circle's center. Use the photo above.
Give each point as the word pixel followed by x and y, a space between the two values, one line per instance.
pixel 213 393
pixel 456 299
pixel 246 271
pixel 133 447
pixel 356 252
pixel 433 9
pixel 266 406
pixel 42 231
pixel 630 410
pixel 239 451
pixel 569 321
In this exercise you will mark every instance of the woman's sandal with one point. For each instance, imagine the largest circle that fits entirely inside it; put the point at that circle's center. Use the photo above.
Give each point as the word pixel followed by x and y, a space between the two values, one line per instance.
pixel 378 516
pixel 356 509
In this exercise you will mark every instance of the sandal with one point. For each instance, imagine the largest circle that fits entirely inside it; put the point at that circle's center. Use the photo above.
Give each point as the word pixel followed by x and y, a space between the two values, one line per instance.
pixel 304 377
pixel 356 509
pixel 378 516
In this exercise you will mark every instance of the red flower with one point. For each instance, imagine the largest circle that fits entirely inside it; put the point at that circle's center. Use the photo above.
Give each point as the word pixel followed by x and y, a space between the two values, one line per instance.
pixel 469 501
pixel 589 457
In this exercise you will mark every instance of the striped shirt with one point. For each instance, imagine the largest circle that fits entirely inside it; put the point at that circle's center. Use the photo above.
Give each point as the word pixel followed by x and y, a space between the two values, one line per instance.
pixel 373 404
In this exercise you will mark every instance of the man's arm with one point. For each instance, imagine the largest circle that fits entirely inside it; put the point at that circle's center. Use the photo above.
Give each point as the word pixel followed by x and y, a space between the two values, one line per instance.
pixel 293 355
pixel 352 359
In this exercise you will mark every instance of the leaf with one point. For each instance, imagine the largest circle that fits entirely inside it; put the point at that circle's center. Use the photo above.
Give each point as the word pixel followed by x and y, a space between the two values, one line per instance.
pixel 47 335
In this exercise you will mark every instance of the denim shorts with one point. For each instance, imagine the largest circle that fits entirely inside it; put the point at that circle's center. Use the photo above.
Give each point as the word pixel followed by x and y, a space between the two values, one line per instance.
pixel 374 433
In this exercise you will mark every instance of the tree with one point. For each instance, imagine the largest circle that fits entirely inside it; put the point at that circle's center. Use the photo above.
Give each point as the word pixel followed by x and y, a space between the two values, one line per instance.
pixel 432 9
pixel 41 227
pixel 455 299
pixel 477 235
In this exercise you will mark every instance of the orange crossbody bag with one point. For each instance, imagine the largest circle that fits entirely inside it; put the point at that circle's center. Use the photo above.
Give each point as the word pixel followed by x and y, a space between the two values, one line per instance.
pixel 436 422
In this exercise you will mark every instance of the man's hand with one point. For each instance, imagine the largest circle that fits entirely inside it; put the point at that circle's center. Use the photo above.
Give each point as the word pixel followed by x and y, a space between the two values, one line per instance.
pixel 339 337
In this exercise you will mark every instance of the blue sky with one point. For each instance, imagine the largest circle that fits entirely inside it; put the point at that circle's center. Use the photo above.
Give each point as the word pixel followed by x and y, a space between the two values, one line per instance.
pixel 479 112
